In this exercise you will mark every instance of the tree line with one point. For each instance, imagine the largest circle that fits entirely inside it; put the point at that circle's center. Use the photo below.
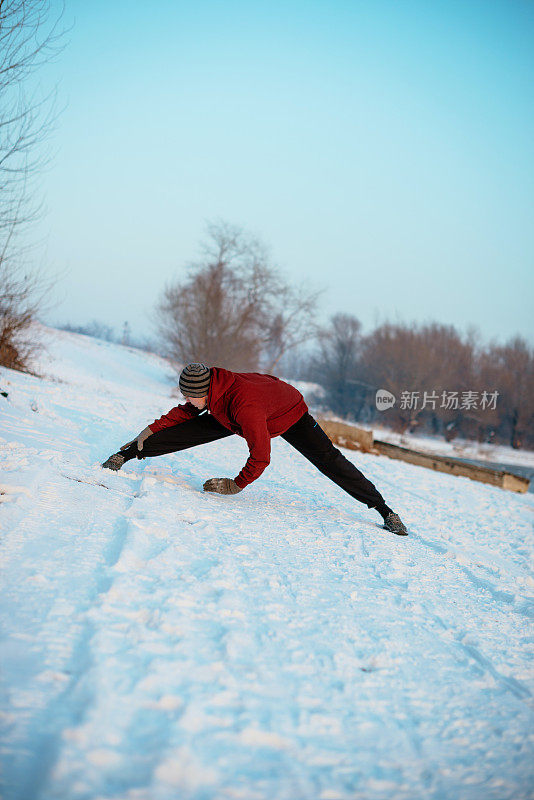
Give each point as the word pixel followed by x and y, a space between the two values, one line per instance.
pixel 235 309
pixel 443 382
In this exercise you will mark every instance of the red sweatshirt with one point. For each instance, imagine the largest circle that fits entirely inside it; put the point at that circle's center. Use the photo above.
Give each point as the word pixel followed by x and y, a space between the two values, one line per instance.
pixel 256 407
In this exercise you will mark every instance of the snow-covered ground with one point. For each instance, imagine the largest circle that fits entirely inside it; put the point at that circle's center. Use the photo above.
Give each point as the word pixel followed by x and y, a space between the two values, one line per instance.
pixel 159 643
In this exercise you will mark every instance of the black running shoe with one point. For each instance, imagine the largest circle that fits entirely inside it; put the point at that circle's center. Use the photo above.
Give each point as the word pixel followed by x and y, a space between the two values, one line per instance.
pixel 114 462
pixel 394 524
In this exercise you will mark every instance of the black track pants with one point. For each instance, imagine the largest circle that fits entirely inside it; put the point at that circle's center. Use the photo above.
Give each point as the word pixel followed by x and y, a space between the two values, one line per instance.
pixel 192 432
pixel 306 436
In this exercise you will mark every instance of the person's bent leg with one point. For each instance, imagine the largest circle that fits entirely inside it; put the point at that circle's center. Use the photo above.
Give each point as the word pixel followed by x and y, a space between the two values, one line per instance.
pixel 311 441
pixel 199 430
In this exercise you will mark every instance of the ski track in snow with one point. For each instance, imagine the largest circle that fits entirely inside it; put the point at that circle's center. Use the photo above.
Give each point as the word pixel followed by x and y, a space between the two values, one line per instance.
pixel 158 642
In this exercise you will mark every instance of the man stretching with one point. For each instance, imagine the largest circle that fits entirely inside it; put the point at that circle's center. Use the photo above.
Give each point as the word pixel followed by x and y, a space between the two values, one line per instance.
pixel 256 407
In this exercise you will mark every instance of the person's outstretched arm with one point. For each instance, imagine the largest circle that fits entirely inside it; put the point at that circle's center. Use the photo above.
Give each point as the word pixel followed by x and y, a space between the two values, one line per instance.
pixel 253 423
pixel 174 417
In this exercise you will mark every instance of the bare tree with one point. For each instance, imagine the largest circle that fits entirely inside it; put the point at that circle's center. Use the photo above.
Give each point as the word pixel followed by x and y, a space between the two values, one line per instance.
pixel 29 37
pixel 336 363
pixel 509 369
pixel 290 320
pixel 233 308
pixel 443 381
pixel 19 303
pixel 416 360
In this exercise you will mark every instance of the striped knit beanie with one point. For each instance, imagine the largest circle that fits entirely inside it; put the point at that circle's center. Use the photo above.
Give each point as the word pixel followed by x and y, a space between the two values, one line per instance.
pixel 195 380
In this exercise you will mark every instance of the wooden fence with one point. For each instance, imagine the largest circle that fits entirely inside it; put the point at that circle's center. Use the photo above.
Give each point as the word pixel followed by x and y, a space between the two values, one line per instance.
pixel 355 438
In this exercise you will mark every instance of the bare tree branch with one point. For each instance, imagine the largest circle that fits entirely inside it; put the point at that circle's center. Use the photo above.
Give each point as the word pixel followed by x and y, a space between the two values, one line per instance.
pixel 234 309
pixel 30 36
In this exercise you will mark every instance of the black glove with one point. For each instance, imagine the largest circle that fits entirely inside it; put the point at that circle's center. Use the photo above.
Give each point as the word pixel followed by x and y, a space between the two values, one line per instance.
pixel 222 486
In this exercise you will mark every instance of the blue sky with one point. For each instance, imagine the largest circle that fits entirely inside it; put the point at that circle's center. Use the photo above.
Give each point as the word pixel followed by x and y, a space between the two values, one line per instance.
pixel 383 150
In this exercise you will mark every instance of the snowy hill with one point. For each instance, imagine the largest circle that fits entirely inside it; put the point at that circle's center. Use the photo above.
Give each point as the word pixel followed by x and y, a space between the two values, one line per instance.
pixel 159 643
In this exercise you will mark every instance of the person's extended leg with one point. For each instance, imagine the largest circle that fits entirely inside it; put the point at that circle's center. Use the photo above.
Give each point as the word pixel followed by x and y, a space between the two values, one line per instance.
pixel 308 438
pixel 199 430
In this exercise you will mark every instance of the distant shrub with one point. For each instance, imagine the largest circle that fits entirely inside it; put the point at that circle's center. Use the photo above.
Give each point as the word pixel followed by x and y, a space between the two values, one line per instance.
pixel 21 297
